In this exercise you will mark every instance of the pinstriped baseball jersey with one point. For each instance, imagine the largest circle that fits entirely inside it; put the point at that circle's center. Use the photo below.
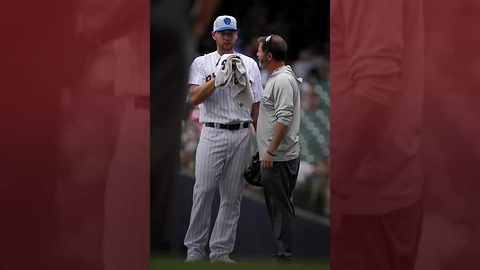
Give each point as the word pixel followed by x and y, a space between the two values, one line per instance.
pixel 222 156
pixel 220 106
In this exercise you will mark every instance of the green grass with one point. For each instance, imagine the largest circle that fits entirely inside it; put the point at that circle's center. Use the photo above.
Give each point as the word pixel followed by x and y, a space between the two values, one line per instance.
pixel 167 263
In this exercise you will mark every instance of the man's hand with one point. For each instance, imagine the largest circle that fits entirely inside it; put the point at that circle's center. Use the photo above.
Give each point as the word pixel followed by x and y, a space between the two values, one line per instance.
pixel 199 93
pixel 267 161
pixel 279 134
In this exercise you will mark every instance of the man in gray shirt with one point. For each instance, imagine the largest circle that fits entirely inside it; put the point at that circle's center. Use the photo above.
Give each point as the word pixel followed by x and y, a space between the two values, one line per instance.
pixel 277 139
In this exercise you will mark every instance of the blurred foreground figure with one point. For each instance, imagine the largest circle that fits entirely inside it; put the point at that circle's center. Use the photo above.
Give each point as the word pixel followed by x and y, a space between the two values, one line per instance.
pixel 377 58
pixel 36 63
pixel 181 22
pixel 450 132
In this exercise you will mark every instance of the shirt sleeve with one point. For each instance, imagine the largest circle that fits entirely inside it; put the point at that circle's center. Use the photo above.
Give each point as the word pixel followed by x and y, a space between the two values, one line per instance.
pixel 283 96
pixel 197 73
pixel 375 48
pixel 256 80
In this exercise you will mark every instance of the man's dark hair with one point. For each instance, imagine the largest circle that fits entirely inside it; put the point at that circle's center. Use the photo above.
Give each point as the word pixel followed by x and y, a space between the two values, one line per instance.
pixel 275 45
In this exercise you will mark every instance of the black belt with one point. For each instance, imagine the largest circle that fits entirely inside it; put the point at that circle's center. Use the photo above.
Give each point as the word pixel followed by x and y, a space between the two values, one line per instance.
pixel 228 126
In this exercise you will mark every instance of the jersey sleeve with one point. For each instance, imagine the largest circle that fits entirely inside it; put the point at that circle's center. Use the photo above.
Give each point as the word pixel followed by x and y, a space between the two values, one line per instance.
pixel 256 80
pixel 197 73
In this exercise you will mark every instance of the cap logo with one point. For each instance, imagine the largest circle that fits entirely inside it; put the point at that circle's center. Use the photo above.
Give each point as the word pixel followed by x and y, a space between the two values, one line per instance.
pixel 227 21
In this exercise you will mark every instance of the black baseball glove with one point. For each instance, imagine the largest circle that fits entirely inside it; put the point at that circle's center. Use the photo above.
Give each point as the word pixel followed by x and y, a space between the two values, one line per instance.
pixel 252 173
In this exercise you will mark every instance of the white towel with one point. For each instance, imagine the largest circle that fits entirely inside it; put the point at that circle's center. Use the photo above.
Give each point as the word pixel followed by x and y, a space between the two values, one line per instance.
pixel 231 72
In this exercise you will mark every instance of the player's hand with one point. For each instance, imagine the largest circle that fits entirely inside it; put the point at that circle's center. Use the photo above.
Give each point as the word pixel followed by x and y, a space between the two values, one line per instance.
pixel 267 161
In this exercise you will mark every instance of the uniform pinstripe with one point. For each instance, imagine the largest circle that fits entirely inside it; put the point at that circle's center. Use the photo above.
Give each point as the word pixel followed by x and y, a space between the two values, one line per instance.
pixel 222 156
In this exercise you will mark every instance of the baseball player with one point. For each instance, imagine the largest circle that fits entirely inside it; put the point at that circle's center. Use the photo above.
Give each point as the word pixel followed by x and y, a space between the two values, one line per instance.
pixel 224 149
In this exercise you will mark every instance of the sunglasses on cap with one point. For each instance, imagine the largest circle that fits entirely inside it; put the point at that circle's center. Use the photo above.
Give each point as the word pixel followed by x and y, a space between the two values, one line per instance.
pixel 268 43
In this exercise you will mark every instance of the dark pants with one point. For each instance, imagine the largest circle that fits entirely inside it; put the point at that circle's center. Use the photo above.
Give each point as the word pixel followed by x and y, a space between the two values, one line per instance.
pixel 387 241
pixel 278 184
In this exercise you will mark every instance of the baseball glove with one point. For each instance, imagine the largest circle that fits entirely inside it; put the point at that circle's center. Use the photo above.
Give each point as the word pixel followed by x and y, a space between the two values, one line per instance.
pixel 252 173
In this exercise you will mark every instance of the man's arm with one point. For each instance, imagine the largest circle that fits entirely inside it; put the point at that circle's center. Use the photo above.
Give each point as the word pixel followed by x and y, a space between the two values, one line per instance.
pixel 284 114
pixel 255 111
pixel 257 91
pixel 199 93
pixel 202 13
pixel 279 133
pixel 375 47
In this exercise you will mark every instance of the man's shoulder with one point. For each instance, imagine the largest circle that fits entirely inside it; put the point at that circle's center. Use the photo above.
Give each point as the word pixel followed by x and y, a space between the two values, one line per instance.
pixel 204 56
pixel 286 80
pixel 200 60
pixel 283 77
pixel 245 58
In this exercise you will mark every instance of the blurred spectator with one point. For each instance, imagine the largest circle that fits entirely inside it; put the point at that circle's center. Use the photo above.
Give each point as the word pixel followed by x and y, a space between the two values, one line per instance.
pixel 304 63
pixel 190 135
pixel 313 187
pixel 322 190
pixel 377 174
pixel 310 100
pixel 256 20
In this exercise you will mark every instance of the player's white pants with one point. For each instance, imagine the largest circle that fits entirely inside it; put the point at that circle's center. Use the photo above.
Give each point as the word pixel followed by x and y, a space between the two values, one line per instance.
pixel 222 156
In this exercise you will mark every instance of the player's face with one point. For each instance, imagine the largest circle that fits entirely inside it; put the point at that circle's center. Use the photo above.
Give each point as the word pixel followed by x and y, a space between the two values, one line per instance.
pixel 262 56
pixel 226 39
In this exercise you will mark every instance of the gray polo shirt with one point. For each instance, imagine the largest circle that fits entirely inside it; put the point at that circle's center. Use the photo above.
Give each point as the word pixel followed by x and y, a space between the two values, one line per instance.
pixel 280 103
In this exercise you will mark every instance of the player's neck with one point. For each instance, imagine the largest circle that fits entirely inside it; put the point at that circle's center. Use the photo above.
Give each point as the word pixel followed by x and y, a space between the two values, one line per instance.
pixel 225 52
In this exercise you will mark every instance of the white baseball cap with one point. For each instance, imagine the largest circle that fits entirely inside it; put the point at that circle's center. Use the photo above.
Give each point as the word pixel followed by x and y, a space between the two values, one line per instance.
pixel 225 22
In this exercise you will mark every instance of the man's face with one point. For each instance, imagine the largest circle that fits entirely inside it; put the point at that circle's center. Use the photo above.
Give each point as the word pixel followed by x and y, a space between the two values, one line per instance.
pixel 226 39
pixel 262 56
